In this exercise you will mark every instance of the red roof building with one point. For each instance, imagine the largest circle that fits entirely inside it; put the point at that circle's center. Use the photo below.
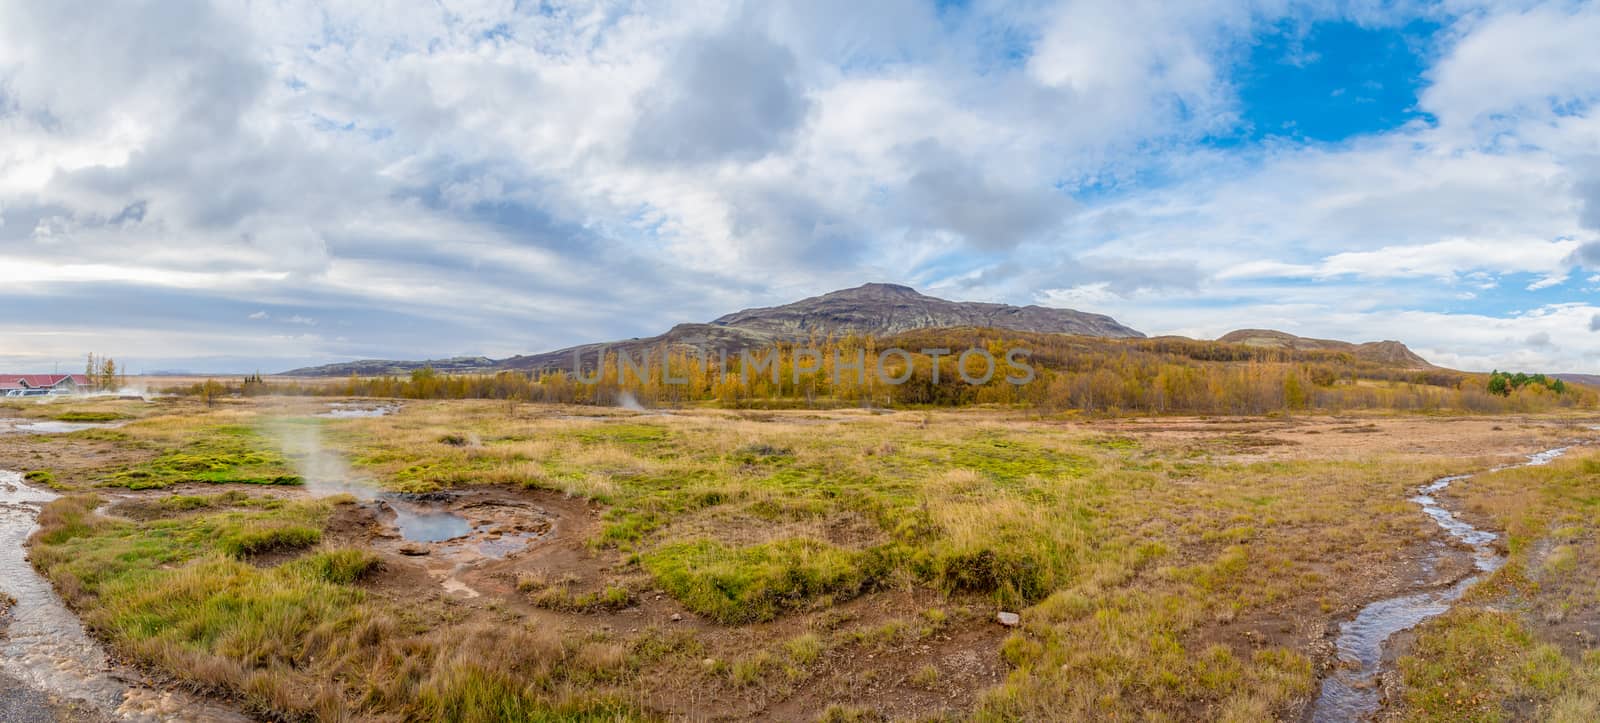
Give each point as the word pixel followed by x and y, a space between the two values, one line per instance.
pixel 64 382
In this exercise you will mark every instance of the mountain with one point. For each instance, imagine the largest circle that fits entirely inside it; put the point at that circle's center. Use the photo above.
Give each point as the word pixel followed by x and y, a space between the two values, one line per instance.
pixel 1390 353
pixel 877 310
pixel 885 309
pixel 868 310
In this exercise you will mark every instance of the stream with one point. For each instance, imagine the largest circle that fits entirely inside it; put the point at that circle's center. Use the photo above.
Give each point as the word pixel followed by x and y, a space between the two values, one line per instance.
pixel 45 647
pixel 1351 693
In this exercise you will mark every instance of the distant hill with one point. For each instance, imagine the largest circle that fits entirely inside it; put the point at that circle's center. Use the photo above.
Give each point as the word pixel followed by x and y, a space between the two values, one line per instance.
pixel 381 367
pixel 1391 353
pixel 1588 380
pixel 877 310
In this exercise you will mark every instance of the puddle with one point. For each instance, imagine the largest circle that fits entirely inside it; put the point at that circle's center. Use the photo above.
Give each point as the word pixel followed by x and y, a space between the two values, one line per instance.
pixel 44 646
pixel 447 532
pixel 422 524
pixel 1351 693
pixel 349 410
pixel 504 546
pixel 24 426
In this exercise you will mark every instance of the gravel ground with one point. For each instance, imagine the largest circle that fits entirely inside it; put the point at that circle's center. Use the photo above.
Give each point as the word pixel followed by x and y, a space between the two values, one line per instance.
pixel 22 704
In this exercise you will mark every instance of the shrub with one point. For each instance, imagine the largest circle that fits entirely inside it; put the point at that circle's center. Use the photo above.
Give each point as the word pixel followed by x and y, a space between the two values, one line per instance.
pixel 1014 576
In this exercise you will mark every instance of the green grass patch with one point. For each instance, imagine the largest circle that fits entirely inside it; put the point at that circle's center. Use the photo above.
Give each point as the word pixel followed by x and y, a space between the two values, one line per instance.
pixel 343 566
pixel 256 538
pixel 220 455
pixel 41 477
pixel 758 582
pixel 1003 459
pixel 628 435
pixel 80 416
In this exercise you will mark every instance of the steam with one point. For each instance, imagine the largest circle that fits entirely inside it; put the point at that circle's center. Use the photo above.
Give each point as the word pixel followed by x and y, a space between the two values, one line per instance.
pixel 136 390
pixel 324 471
pixel 626 400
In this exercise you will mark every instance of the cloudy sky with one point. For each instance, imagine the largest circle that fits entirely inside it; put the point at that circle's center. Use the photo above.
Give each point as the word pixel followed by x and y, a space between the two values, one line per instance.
pixel 262 184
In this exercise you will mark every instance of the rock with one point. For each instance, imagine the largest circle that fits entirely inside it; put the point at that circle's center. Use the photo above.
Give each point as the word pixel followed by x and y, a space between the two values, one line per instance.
pixel 414 550
pixel 676 617
pixel 1009 620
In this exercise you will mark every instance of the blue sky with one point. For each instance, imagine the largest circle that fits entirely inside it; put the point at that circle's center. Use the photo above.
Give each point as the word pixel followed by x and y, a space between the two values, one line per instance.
pixel 230 186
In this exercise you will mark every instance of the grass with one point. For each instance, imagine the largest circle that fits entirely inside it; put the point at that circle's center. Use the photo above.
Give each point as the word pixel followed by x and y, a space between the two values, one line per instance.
pixel 758 582
pixel 1157 577
pixel 88 416
pixel 257 538
pixel 302 639
pixel 225 454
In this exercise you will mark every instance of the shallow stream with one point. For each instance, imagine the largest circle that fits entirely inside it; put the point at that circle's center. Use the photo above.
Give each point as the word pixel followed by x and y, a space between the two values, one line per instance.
pixel 45 646
pixel 1351 692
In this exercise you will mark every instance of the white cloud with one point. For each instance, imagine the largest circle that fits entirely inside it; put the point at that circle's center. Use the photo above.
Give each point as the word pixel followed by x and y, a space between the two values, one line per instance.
pixel 1512 65
pixel 526 180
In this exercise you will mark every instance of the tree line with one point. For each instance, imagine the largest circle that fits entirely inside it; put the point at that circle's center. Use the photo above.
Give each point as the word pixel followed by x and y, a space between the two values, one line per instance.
pixel 1505 383
pixel 1089 374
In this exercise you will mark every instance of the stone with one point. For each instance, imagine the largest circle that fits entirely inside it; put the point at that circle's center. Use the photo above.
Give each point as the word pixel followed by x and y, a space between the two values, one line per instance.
pixel 414 550
pixel 1009 620
pixel 676 617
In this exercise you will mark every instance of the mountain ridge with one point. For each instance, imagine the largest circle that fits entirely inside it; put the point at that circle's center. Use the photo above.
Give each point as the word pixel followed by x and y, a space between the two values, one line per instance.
pixel 872 309
pixel 1387 351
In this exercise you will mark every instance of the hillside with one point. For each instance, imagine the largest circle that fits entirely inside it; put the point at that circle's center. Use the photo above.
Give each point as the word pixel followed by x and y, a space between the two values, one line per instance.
pixel 1588 380
pixel 1388 352
pixel 379 367
pixel 877 310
